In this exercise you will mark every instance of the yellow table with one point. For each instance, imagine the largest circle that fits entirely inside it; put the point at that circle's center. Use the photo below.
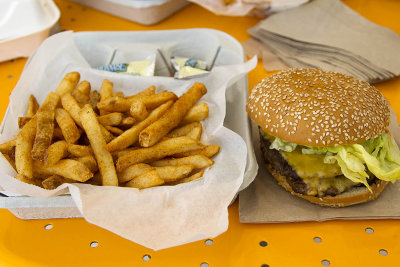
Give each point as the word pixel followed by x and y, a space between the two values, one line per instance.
pixel 68 242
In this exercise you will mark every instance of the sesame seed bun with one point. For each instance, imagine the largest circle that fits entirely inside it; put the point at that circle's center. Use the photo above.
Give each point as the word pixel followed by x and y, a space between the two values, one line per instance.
pixel 317 108
pixel 354 196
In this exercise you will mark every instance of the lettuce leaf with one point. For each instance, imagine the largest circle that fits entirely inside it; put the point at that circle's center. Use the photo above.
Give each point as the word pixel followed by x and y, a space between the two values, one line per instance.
pixel 279 144
pixel 381 156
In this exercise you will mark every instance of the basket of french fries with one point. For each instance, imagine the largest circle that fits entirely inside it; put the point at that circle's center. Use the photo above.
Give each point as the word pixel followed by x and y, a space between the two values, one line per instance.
pixel 105 138
pixel 129 150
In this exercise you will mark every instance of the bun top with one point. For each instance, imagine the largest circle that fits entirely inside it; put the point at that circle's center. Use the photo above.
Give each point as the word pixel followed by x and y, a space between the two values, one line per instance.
pixel 312 107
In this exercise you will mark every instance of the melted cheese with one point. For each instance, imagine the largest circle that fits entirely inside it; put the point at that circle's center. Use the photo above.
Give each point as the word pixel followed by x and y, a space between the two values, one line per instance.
pixel 318 187
pixel 317 175
pixel 311 166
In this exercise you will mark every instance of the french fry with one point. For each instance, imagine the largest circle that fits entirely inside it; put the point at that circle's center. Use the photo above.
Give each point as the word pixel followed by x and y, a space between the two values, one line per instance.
pixel 79 151
pixel 193 177
pixel 71 106
pixel 119 93
pixel 138 110
pixel 195 133
pixel 53 182
pixel 173 173
pixel 110 119
pixel 81 93
pixel 160 150
pixel 48 154
pixel 68 83
pixel 197 113
pixel 68 127
pixel 120 153
pixel 84 87
pixel 114 104
pixel 130 136
pixel 67 168
pixel 133 171
pixel 127 122
pixel 94 98
pixel 198 161
pixel 32 107
pixel 95 180
pixel 5 147
pixel 146 180
pixel 89 162
pixel 55 153
pixel 114 130
pixel 108 137
pixel 187 130
pixel 153 101
pixel 39 174
pixel 31 181
pixel 23 147
pixel 146 92
pixel 98 144
pixel 45 126
pixel 11 153
pixel 22 121
pixel 106 90
pixel 154 132
pixel 57 134
pixel 208 151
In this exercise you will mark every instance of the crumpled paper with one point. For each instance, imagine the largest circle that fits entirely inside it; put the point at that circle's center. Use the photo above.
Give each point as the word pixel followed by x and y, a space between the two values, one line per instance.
pixel 259 8
pixel 157 217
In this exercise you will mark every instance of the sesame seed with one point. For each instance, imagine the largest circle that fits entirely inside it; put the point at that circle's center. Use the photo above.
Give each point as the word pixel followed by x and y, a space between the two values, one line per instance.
pixel 340 108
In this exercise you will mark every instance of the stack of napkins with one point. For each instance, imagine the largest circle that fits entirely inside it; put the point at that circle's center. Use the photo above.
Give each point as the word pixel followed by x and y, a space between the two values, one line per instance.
pixel 329 35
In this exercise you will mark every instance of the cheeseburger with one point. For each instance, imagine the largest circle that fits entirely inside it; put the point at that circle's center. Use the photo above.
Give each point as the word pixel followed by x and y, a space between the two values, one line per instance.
pixel 324 136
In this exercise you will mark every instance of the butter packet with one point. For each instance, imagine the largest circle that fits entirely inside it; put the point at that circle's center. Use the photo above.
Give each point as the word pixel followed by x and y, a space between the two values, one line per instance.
pixel 188 67
pixel 138 67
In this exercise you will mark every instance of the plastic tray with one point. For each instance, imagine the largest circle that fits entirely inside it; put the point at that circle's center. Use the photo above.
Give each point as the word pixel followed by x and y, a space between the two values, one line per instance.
pixel 24 24
pixel 144 12
pixel 236 119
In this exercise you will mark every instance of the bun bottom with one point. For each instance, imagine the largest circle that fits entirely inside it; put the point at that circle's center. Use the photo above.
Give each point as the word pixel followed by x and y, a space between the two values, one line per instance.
pixel 354 196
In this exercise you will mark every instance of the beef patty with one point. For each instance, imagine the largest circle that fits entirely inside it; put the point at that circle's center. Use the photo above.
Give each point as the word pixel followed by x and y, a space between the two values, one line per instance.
pixel 274 158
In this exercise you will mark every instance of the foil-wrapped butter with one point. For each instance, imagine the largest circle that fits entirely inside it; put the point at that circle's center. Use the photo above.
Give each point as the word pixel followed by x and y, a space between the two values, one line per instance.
pixel 188 67
pixel 139 68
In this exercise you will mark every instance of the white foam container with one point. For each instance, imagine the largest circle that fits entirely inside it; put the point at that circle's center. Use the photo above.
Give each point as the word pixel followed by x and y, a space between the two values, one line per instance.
pixel 145 12
pixel 236 118
pixel 24 24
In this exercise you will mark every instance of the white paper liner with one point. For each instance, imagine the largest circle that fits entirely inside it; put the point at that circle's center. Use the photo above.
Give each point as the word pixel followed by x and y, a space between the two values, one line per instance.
pixel 158 217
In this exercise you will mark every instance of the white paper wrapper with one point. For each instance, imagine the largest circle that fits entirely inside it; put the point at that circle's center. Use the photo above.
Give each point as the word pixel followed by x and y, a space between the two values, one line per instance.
pixel 258 8
pixel 157 217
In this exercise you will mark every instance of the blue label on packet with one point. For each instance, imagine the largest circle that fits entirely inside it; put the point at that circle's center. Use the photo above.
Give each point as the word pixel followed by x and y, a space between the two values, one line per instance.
pixel 191 62
pixel 114 67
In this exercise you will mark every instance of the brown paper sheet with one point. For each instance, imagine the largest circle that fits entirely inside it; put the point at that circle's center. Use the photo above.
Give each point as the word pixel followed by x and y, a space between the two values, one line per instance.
pixel 264 201
pixel 336 43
